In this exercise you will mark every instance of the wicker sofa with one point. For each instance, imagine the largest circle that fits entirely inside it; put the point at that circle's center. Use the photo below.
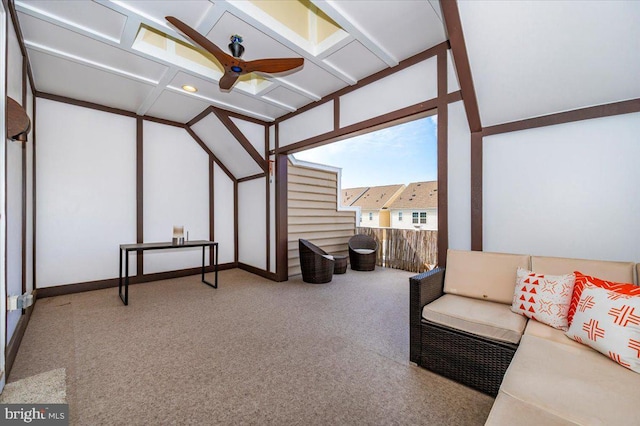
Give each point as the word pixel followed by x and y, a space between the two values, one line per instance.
pixel 462 327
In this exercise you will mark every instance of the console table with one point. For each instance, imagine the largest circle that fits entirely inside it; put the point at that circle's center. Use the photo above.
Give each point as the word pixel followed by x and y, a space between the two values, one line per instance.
pixel 125 249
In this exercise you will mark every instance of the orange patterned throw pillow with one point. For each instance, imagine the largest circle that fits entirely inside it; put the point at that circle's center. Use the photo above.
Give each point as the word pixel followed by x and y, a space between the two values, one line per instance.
pixel 582 280
pixel 609 322
pixel 544 298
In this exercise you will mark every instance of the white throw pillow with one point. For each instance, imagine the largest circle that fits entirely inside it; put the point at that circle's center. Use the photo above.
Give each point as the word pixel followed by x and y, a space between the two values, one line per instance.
pixel 544 298
pixel 328 256
pixel 609 322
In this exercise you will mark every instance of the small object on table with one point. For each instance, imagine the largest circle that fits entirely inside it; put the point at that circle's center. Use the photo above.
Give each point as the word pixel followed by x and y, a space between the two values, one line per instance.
pixel 340 265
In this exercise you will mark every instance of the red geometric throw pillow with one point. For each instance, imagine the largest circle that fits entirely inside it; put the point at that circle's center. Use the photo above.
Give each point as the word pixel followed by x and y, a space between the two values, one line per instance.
pixel 544 298
pixel 582 279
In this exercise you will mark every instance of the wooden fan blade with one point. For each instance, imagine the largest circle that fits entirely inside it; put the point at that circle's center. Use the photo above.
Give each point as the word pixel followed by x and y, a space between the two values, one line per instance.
pixel 225 59
pixel 272 66
pixel 18 122
pixel 227 80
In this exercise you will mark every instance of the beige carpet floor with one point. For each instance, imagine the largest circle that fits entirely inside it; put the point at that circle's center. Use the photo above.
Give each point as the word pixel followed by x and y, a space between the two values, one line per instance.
pixel 251 352
pixel 44 388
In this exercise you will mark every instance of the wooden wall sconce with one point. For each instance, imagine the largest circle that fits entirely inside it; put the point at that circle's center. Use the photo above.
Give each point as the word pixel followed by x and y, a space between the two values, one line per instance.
pixel 18 122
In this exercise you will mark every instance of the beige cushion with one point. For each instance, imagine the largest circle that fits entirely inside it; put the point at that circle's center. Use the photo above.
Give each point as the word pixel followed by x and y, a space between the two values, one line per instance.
pixel 363 251
pixel 487 319
pixel 538 329
pixel 621 272
pixel 482 275
pixel 508 410
pixel 584 387
pixel 327 256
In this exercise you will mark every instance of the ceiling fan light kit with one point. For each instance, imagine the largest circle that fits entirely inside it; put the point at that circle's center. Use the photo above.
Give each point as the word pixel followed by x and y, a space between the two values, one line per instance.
pixel 233 66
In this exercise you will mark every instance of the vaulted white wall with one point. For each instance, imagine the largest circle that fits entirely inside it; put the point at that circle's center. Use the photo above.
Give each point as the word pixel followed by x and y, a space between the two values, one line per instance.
pixel 86 192
pixel 567 190
pixel 176 192
pixel 224 220
pixel 459 178
pixel 252 225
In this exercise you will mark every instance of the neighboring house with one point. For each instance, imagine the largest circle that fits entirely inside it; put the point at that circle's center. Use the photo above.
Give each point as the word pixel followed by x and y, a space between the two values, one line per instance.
pixel 416 207
pixel 374 203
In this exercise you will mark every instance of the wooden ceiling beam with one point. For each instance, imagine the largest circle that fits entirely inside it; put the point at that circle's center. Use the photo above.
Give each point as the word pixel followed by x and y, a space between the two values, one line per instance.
pixel 453 25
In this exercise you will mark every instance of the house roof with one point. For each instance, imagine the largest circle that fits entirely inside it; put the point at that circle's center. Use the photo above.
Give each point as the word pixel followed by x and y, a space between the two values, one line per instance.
pixel 350 195
pixel 417 195
pixel 375 197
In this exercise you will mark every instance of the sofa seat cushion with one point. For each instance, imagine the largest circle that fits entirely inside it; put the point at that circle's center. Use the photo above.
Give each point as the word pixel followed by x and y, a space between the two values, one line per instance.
pixel 538 329
pixel 508 410
pixel 487 319
pixel 363 251
pixel 583 387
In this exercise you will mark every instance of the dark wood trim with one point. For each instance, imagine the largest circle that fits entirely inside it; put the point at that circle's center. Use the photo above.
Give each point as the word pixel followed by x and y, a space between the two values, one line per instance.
pixel 252 177
pixel 240 137
pixel 139 194
pixel 24 182
pixel 208 151
pixel 84 104
pixel 267 198
pixel 33 192
pixel 163 121
pixel 113 282
pixel 443 161
pixel 6 76
pixel 11 350
pixel 476 191
pixel 199 117
pixel 212 205
pixel 336 114
pixel 453 25
pixel 417 58
pixel 257 271
pixel 361 127
pixel 454 97
pixel 282 217
pixel 589 113
pixel 235 222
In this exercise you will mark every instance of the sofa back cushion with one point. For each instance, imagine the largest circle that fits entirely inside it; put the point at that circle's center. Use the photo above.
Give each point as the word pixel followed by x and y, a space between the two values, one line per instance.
pixel 604 269
pixel 483 275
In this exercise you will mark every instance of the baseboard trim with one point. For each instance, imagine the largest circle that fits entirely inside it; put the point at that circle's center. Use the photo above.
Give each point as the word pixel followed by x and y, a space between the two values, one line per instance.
pixel 61 290
pixel 14 344
pixel 265 274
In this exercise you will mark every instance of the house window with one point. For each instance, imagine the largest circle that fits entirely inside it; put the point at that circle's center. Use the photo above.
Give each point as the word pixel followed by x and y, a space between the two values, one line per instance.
pixel 414 217
pixel 423 217
pixel 399 216
pixel 370 216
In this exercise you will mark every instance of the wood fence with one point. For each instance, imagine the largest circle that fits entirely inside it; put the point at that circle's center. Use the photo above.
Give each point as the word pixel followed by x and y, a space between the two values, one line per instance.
pixel 406 249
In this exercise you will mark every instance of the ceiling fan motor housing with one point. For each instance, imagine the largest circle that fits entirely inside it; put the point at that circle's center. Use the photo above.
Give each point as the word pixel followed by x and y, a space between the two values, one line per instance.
pixel 236 48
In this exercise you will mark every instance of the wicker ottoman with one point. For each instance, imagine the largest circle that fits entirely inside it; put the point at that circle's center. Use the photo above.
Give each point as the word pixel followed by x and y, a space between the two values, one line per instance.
pixel 340 265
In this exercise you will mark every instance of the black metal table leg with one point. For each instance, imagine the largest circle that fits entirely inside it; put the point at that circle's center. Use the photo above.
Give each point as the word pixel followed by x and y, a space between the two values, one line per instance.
pixel 126 280
pixel 203 280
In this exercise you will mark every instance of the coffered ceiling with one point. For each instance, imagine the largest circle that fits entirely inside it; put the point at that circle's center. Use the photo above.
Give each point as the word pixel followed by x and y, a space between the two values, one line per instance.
pixel 124 54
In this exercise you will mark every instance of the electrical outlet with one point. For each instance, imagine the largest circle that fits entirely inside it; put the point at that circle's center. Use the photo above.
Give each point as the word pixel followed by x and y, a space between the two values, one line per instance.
pixel 12 303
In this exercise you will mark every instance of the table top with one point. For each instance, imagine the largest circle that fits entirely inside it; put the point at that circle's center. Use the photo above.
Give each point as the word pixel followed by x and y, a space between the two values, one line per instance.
pixel 166 245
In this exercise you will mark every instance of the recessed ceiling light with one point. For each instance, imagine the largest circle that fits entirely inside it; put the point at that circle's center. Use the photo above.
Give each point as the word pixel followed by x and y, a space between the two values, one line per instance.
pixel 189 88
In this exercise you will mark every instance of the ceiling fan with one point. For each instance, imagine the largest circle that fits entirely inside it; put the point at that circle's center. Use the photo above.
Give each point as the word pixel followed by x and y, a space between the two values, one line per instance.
pixel 233 66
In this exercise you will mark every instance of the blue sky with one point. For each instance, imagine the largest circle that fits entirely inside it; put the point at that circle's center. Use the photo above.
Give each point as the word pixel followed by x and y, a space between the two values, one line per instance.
pixel 399 154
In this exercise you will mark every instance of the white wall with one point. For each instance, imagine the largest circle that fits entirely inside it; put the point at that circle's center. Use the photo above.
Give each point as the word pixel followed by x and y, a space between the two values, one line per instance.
pixel 566 190
pixel 223 221
pixel 459 178
pixel 176 192
pixel 86 195
pixel 252 225
pixel 29 195
pixel 3 131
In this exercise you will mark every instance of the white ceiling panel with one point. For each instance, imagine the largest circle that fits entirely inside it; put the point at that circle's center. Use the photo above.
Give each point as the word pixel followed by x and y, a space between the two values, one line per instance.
pixel 287 97
pixel 176 107
pixel 61 77
pixel 235 100
pixel 257 44
pixel 314 80
pixel 191 11
pixel 224 146
pixel 356 60
pixel 46 36
pixel 402 28
pixel 98 19
pixel 538 58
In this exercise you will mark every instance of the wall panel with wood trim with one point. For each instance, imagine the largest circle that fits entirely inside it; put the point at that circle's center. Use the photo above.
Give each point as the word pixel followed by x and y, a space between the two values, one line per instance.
pixel 252 224
pixel 313 213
